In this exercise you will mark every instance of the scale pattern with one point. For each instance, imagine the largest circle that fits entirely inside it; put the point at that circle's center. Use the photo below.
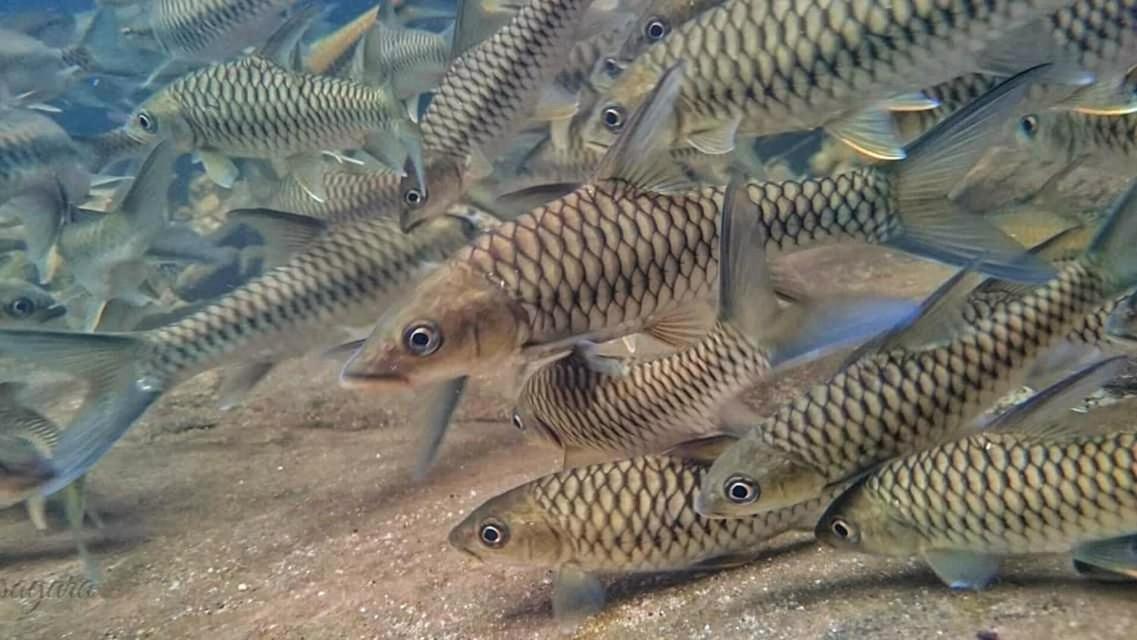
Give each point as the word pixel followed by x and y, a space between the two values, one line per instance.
pixel 206 29
pixel 350 195
pixel 1004 493
pixel 31 145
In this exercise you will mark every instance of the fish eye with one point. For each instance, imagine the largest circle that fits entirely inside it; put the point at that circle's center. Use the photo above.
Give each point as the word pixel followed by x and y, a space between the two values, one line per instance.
pixel 740 490
pixel 423 338
pixel 614 118
pixel 493 535
pixel 414 197
pixel 147 122
pixel 612 67
pixel 656 29
pixel 517 422
pixel 1029 125
pixel 843 530
pixel 21 307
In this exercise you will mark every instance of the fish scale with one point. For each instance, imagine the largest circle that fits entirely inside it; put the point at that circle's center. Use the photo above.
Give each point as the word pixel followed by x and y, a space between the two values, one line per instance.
pixel 213 29
pixel 638 514
pixel 885 405
pixel 29 145
pixel 654 405
pixel 350 195
pixel 252 107
pixel 1010 494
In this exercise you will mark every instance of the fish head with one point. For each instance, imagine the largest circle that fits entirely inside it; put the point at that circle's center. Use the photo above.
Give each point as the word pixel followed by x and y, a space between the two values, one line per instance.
pixel 752 477
pixel 619 101
pixel 656 21
pixel 510 528
pixel 159 118
pixel 858 521
pixel 430 194
pixel 25 304
pixel 459 322
pixel 22 469
pixel 1121 326
pixel 527 419
pixel 1050 135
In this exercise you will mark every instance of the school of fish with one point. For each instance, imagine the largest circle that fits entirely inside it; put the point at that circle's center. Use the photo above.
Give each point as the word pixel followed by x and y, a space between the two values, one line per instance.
pixel 592 202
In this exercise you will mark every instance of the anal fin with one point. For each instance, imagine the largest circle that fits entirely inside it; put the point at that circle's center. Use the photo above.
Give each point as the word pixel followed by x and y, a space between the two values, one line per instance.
pixel 1116 556
pixel 963 569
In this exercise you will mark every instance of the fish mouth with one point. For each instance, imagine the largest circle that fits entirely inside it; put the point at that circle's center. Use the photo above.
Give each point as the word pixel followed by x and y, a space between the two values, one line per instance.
pixel 54 311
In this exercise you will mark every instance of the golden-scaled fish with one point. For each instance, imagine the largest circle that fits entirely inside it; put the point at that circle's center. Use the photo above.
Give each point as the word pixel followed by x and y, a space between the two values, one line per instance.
pixel 759 68
pixel 659 402
pixel 341 278
pixel 1017 489
pixel 488 92
pixel 253 108
pixel 920 386
pixel 620 517
pixel 625 253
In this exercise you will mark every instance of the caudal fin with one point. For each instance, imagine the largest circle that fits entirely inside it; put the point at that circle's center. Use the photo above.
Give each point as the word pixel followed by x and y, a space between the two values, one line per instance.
pixel 118 391
pixel 934 226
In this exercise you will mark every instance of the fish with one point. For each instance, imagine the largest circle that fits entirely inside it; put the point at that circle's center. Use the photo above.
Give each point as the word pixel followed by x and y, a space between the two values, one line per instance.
pixel 106 254
pixel 764 68
pixel 632 251
pixel 43 172
pixel 214 30
pixel 28 66
pixel 1072 139
pixel 253 108
pixel 922 383
pixel 488 91
pixel 340 277
pixel 409 61
pixel 23 304
pixel 1023 488
pixel 332 53
pixel 349 194
pixel 654 22
pixel 634 515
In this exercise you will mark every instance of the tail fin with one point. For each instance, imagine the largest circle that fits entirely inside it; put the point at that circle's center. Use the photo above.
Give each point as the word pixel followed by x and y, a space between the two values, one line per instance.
pixel 803 330
pixel 118 392
pixel 932 225
pixel 1112 247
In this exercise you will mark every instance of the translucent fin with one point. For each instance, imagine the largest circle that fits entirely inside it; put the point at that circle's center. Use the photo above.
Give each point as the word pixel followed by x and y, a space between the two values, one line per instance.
pixel 42 213
pixel 37 512
pixel 635 156
pixel 308 172
pixel 116 394
pixel 1032 45
pixel 439 402
pixel 1041 415
pixel 473 24
pixel 683 327
pixel 918 101
pixel 871 132
pixel 220 169
pixel 963 569
pixel 238 380
pixel 1109 96
pixel 146 203
pixel 576 597
pixel 716 140
pixel 934 227
pixel 555 103
pixel 74 507
pixel 1112 247
pixel 702 450
pixel 1117 555
pixel 283 234
pixel 283 46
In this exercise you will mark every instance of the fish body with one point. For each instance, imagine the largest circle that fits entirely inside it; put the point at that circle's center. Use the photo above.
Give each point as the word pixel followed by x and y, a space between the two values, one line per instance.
pixel 759 68
pixel 970 502
pixel 211 30
pixel 409 61
pixel 1103 142
pixel 904 399
pixel 349 195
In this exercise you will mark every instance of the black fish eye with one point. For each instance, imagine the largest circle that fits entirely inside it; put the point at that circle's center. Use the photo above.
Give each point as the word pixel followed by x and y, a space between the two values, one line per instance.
pixel 492 535
pixel 1029 125
pixel 146 122
pixel 612 67
pixel 843 530
pixel 422 339
pixel 413 197
pixel 614 118
pixel 741 490
pixel 21 307
pixel 656 29
pixel 517 422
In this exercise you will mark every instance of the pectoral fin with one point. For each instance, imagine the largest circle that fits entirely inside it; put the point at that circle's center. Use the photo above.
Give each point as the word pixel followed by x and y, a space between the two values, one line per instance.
pixel 871 132
pixel 716 139
pixel 1117 556
pixel 963 569
pixel 685 326
pixel 576 596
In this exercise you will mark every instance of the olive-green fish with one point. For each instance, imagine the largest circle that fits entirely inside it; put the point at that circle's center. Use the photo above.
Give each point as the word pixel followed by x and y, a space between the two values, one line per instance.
pixel 1103 142
pixel 409 61
pixel 213 30
pixel 619 517
pixel 23 304
pixel 626 253
pixel 909 395
pixel 343 278
pixel 253 108
pixel 1017 489
pixel 759 68
pixel 349 194
pixel 488 92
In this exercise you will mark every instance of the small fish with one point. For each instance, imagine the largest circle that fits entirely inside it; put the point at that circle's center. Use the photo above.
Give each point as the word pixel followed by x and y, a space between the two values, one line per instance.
pixel 107 254
pixel 630 252
pixel 1019 489
pixel 23 304
pixel 922 384
pixel 253 108
pixel 1103 142
pixel 761 68
pixel 214 30
pixel 409 61
pixel 340 277
pixel 634 515
pixel 43 171
pixel 490 90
